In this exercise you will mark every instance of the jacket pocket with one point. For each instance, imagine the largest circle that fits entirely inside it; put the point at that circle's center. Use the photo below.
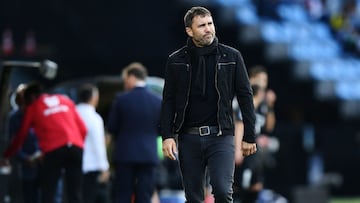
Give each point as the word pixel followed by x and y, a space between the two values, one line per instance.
pixel 181 75
pixel 226 71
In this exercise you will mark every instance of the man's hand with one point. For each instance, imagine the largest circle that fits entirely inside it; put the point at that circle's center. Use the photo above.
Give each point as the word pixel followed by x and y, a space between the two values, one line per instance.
pixel 169 148
pixel 248 148
pixel 104 176
pixel 239 158
pixel 5 167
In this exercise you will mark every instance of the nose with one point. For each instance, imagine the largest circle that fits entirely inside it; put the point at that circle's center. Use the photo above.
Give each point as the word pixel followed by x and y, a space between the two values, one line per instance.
pixel 207 28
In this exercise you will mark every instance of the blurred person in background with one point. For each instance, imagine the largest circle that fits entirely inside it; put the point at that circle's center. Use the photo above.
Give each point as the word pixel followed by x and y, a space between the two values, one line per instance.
pixel 201 79
pixel 29 154
pixel 249 174
pixel 258 75
pixel 249 171
pixel 60 132
pixel 133 123
pixel 95 163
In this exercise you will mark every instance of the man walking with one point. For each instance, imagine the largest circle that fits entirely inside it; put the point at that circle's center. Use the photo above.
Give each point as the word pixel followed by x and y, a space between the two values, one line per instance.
pixel 201 80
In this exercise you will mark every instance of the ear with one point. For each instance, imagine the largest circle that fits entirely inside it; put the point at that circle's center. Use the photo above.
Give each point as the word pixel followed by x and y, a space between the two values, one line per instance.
pixel 189 31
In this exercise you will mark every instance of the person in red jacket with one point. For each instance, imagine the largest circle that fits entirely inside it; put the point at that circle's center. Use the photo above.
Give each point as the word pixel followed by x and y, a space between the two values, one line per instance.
pixel 61 133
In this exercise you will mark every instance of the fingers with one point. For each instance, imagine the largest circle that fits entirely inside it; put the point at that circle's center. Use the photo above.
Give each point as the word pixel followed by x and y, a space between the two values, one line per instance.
pixel 169 152
pixel 169 149
pixel 249 149
pixel 171 155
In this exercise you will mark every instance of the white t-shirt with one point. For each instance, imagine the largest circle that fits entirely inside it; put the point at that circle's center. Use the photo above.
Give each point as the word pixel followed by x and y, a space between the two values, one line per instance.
pixel 94 155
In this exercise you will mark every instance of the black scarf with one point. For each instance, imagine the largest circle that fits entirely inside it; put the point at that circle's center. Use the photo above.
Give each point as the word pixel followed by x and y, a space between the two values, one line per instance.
pixel 198 55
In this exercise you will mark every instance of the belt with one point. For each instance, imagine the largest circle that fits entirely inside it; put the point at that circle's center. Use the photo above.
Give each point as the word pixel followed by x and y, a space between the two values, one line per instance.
pixel 202 131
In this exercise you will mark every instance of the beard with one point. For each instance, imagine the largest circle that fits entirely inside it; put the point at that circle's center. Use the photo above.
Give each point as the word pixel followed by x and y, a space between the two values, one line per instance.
pixel 205 40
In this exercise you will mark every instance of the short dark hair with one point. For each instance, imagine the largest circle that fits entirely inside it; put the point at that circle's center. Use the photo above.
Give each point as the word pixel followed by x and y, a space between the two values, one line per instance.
pixel 32 90
pixel 195 11
pixel 253 71
pixel 86 92
pixel 136 69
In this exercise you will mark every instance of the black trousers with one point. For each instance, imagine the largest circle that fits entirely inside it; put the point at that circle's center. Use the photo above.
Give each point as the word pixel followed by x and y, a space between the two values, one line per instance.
pixel 31 191
pixel 213 153
pixel 136 180
pixel 66 160
pixel 93 191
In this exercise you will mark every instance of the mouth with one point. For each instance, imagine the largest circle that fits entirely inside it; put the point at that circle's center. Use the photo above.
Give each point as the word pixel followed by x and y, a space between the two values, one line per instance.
pixel 208 35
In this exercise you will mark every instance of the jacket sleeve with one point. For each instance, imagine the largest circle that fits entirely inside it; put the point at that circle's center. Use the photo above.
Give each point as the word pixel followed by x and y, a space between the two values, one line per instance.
pixel 245 99
pixel 168 104
pixel 114 118
pixel 18 140
pixel 80 122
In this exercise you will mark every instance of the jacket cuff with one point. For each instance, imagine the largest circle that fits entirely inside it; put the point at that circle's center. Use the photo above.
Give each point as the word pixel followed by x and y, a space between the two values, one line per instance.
pixel 164 137
pixel 249 139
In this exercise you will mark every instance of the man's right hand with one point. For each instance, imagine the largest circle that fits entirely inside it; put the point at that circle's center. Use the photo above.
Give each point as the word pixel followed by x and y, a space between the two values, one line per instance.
pixel 169 148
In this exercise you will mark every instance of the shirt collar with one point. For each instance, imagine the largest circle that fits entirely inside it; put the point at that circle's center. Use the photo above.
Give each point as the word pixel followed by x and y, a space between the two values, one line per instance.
pixel 140 84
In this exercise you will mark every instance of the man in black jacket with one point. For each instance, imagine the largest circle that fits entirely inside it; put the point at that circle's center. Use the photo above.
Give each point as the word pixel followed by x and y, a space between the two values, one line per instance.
pixel 201 80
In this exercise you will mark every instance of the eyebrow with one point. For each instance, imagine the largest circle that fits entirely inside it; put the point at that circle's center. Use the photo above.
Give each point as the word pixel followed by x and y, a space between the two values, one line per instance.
pixel 203 24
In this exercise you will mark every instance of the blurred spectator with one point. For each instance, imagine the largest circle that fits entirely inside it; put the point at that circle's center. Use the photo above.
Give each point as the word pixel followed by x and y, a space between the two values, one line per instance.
pixel 7 43
pixel 249 175
pixel 249 171
pixel 133 122
pixel 29 154
pixel 258 75
pixel 268 8
pixel 317 9
pixel 61 133
pixel 95 162
pixel 346 25
pixel 30 44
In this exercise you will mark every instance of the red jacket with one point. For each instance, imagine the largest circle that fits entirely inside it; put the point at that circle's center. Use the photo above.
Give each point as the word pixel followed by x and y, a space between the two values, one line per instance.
pixel 55 121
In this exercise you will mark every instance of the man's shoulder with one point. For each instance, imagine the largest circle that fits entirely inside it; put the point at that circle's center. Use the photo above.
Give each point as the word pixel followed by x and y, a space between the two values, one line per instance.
pixel 121 95
pixel 179 52
pixel 228 48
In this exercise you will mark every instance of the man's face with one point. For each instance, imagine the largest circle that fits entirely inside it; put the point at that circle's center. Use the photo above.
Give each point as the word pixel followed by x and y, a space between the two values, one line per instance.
pixel 202 30
pixel 260 79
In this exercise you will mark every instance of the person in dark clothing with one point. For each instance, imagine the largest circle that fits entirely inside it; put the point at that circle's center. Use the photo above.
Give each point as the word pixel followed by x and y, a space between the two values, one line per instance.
pixel 29 154
pixel 133 122
pixel 249 175
pixel 250 172
pixel 201 80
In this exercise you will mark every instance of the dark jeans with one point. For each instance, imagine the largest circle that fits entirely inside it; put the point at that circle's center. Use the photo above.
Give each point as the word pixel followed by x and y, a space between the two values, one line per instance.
pixel 211 152
pixel 69 159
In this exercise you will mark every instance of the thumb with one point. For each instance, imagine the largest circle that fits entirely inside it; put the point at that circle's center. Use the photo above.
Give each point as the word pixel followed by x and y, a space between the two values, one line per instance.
pixel 174 148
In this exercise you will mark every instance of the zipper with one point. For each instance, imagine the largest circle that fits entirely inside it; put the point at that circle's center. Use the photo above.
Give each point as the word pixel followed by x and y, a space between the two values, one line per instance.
pixel 188 93
pixel 217 89
pixel 227 63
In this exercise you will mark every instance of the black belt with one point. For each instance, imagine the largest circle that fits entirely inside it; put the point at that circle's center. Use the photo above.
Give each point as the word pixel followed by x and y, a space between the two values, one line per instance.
pixel 202 131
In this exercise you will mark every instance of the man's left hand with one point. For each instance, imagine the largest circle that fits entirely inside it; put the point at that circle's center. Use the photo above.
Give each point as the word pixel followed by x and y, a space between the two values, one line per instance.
pixel 248 148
